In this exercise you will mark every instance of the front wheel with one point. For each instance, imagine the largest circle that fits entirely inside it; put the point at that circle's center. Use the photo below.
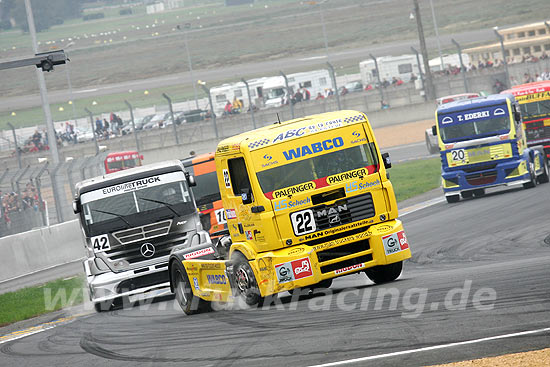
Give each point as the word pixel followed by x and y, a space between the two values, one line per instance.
pixel 452 198
pixel 245 280
pixel 189 303
pixel 385 273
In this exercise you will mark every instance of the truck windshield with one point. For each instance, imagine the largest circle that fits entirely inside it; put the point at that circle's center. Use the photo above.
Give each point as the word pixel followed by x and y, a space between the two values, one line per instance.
pixel 318 167
pixel 535 108
pixel 136 202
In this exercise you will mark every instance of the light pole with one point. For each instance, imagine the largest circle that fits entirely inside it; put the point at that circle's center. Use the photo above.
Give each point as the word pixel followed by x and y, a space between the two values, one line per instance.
pixel 172 116
pixel 437 35
pixel 289 99
pixel 207 91
pixel 501 40
pixel 134 131
pixel 380 86
pixel 420 73
pixel 189 62
pixel 250 102
pixel 93 130
pixel 325 39
pixel 462 67
pixel 67 71
pixel 17 151
pixel 430 92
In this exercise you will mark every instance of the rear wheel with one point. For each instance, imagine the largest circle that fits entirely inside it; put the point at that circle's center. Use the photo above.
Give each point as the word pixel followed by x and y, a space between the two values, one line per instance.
pixel 543 178
pixel 452 198
pixel 189 303
pixel 245 280
pixel 385 273
pixel 532 177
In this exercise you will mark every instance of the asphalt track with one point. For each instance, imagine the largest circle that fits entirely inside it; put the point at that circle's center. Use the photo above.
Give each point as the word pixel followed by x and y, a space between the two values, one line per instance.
pixel 494 245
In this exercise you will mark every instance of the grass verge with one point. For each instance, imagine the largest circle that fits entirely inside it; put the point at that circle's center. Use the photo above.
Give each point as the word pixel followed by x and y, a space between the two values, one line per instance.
pixel 416 177
pixel 34 301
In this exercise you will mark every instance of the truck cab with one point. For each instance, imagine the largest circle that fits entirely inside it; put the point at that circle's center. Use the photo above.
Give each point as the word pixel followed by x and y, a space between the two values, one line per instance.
pixel 305 201
pixel 131 221
pixel 482 144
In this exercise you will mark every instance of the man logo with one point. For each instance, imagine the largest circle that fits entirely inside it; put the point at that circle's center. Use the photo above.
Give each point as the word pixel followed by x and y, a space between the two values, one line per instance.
pixel 147 250
pixel 268 157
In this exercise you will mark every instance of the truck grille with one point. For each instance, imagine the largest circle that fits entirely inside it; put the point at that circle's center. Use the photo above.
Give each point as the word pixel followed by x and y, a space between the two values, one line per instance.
pixel 144 232
pixel 341 251
pixel 143 281
pixel 344 211
pixel 132 252
pixel 482 178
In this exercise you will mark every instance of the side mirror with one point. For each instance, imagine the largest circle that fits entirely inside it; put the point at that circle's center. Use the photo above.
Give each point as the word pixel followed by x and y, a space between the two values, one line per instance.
pixel 246 196
pixel 190 179
pixel 386 159
pixel 76 207
pixel 434 130
pixel 517 116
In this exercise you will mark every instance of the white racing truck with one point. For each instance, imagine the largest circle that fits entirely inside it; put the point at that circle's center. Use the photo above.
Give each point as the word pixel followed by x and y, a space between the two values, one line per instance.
pixel 131 221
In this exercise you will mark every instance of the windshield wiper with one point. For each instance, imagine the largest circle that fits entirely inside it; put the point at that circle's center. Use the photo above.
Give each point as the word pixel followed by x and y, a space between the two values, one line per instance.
pixel 168 205
pixel 113 214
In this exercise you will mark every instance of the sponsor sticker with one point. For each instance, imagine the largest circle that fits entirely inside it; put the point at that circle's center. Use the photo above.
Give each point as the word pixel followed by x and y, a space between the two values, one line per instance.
pixel 395 242
pixel 349 268
pixel 293 270
pixel 293 190
pixel 216 279
pixel 249 235
pixel 196 284
pixel 345 176
pixel 199 253
pixel 230 214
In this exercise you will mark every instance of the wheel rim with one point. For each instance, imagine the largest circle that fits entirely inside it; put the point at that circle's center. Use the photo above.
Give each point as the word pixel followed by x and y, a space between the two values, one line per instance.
pixel 180 290
pixel 243 280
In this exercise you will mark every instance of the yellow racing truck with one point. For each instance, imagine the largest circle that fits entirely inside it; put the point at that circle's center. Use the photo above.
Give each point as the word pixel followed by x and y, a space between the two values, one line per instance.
pixel 306 201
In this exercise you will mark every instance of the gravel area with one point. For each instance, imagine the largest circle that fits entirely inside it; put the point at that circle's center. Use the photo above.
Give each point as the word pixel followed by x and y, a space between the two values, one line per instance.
pixel 536 358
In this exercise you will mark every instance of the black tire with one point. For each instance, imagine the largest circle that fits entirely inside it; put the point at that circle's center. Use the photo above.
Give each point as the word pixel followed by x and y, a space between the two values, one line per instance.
pixel 246 285
pixel 479 193
pixel 103 306
pixel 385 273
pixel 467 194
pixel 452 198
pixel 533 177
pixel 189 303
pixel 543 178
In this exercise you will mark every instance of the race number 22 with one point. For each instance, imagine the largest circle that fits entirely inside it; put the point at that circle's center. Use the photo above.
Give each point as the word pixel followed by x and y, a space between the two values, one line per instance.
pixel 303 222
pixel 100 243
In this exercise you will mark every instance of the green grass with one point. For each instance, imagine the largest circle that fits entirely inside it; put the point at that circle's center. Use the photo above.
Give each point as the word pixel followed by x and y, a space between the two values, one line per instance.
pixel 416 177
pixel 34 301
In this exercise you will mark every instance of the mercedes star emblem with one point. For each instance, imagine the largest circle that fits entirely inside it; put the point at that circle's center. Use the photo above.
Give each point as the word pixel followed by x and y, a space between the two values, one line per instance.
pixel 147 249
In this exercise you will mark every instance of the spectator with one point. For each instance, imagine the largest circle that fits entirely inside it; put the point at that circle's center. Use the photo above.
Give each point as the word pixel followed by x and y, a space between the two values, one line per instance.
pixel 384 105
pixel 369 86
pixel 227 110
pixel 319 96
pixel 98 127
pixel 237 105
pixel 306 94
pixel 344 91
pixel 527 78
pixel 106 128
pixel 413 78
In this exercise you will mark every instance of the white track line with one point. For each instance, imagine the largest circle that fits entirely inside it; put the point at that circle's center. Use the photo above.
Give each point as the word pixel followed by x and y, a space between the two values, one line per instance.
pixel 435 347
pixel 420 206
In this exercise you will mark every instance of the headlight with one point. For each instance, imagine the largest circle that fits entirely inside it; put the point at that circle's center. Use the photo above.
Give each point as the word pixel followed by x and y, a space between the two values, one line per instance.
pixel 195 240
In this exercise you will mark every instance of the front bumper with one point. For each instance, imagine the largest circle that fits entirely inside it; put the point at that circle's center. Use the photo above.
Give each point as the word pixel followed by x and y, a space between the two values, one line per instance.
pixel 109 286
pixel 500 175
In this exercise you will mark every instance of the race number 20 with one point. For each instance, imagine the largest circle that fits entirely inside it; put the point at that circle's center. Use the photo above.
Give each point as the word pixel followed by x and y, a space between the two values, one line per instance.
pixel 458 154
pixel 303 222
pixel 100 243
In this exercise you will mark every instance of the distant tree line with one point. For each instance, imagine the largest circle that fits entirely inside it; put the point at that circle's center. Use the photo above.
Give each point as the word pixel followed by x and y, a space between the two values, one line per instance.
pixel 46 13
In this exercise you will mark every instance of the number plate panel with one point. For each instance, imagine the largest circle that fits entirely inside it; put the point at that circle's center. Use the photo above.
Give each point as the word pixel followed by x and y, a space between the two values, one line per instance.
pixel 100 243
pixel 303 222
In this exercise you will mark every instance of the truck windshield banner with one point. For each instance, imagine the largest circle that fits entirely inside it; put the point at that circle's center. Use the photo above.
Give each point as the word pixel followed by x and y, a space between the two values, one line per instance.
pixel 130 186
pixel 470 115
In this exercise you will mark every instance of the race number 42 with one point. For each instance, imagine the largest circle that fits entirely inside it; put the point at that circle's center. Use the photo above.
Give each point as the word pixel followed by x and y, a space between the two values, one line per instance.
pixel 100 243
